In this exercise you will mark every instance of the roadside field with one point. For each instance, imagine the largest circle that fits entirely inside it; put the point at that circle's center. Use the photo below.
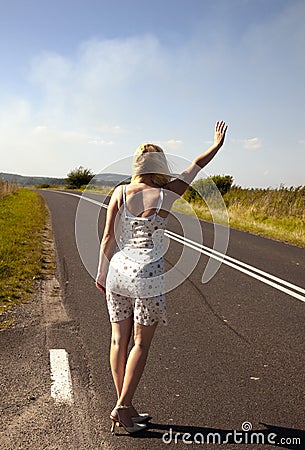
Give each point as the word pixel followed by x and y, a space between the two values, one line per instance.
pixel 23 218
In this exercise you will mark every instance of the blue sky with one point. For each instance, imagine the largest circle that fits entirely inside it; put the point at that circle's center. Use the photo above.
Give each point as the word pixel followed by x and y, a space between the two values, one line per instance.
pixel 86 82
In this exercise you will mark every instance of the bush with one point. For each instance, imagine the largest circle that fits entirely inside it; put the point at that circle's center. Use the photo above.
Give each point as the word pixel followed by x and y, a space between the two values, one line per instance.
pixel 223 183
pixel 206 187
pixel 42 186
pixel 78 177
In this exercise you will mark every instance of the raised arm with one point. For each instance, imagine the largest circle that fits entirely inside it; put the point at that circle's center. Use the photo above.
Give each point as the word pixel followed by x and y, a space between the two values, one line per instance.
pixel 179 185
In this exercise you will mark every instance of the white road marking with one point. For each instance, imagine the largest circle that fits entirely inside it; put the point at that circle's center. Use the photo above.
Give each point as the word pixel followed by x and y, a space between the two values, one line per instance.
pixel 252 271
pixel 197 246
pixel 88 199
pixel 61 387
pixel 229 258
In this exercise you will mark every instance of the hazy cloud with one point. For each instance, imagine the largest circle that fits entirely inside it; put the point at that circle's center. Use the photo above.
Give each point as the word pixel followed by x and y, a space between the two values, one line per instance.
pixel 251 144
pixel 100 142
pixel 170 144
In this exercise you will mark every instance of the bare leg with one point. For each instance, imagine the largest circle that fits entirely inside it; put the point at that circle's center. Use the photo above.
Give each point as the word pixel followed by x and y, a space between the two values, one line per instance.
pixel 136 361
pixel 121 332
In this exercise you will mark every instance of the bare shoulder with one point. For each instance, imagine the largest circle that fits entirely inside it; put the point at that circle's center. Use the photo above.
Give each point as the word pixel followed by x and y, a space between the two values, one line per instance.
pixel 117 195
pixel 176 187
pixel 116 192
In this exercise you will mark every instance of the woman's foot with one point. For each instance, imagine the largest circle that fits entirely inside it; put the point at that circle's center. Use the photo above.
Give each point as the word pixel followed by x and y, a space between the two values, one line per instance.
pixel 136 417
pixel 122 412
pixel 125 415
pixel 133 411
pixel 139 417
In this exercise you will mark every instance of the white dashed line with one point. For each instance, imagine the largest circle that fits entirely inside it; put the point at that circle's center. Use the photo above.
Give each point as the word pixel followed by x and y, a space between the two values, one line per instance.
pixel 61 387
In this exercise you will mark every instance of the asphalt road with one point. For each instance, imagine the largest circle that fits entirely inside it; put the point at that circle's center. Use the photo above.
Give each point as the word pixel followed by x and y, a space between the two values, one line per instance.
pixel 233 351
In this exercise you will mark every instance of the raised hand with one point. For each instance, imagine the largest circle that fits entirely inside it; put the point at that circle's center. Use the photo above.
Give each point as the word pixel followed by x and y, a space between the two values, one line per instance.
pixel 219 135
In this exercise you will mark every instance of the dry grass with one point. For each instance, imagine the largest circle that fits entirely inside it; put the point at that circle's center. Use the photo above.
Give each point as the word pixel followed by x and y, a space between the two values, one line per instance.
pixel 274 213
pixel 264 203
pixel 7 188
pixel 106 190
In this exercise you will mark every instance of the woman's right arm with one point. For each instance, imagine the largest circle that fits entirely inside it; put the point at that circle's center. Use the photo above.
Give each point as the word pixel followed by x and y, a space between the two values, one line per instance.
pixel 179 186
pixel 108 241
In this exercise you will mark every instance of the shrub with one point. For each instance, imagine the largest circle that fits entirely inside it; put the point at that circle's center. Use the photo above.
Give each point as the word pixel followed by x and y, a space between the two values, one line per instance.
pixel 78 177
pixel 42 186
pixel 207 187
pixel 223 183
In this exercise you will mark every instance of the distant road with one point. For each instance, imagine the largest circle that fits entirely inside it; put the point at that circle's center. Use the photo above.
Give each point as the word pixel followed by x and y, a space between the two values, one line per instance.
pixel 233 351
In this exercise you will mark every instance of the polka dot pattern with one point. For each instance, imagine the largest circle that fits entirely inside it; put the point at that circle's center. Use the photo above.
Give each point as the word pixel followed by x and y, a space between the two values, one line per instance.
pixel 135 280
pixel 145 311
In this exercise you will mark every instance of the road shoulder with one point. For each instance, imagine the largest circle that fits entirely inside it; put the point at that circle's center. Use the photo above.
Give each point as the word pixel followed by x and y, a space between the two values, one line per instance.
pixel 30 417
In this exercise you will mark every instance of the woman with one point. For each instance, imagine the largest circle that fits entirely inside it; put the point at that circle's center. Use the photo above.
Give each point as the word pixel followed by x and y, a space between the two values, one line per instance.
pixel 133 279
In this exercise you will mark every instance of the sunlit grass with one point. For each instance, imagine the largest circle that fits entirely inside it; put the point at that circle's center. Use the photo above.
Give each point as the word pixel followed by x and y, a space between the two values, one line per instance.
pixel 106 190
pixel 275 213
pixel 22 219
pixel 289 229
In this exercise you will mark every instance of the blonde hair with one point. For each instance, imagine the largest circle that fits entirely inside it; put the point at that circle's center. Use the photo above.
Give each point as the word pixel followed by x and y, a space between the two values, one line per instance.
pixel 150 159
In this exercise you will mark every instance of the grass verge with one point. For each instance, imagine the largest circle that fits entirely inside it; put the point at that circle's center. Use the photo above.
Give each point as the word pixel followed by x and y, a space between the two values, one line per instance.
pixel 289 229
pixel 23 216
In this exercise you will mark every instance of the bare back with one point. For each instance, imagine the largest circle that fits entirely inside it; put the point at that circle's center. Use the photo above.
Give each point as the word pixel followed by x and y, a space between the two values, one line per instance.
pixel 142 200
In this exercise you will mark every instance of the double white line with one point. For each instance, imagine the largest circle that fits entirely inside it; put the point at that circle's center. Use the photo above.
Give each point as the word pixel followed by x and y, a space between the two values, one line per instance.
pixel 264 277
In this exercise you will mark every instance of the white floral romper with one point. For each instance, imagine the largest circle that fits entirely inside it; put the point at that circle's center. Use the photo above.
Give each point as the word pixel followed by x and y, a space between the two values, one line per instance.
pixel 135 280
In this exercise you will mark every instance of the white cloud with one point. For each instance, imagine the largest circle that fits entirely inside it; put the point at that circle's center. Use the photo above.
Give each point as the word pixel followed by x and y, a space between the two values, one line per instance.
pixel 301 141
pixel 45 132
pixel 95 88
pixel 80 104
pixel 251 144
pixel 100 142
pixel 170 144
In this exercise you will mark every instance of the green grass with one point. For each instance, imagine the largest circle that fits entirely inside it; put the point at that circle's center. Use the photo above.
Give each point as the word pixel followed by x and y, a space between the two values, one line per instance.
pixel 98 189
pixel 23 217
pixel 288 229
pixel 275 213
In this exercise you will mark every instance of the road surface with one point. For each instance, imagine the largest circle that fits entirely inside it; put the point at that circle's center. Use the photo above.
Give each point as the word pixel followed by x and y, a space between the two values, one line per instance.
pixel 230 359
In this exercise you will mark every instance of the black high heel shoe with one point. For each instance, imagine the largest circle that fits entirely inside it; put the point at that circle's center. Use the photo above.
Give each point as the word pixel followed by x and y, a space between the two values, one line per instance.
pixel 141 418
pixel 134 429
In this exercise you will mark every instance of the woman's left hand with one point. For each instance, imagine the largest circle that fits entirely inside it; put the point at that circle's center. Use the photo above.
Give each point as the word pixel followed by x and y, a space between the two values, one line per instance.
pixel 220 133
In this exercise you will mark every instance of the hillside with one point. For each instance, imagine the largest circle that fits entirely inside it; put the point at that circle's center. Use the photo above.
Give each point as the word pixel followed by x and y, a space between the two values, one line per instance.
pixel 110 179
pixel 22 180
